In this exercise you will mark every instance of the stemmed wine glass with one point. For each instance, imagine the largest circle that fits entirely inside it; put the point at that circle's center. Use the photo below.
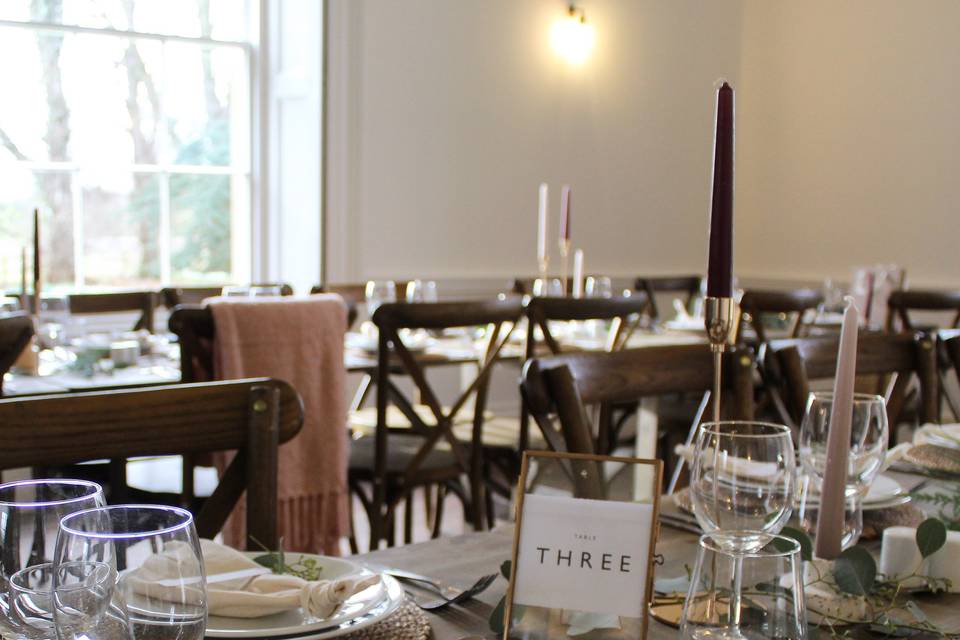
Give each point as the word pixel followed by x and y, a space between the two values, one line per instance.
pixel 869 437
pixel 380 292
pixel 742 489
pixel 30 514
pixel 132 571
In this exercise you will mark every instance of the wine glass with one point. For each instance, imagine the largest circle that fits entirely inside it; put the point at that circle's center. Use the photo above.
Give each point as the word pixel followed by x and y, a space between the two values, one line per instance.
pixel 421 291
pixel 869 437
pixel 30 514
pixel 599 287
pixel 771 574
pixel 133 571
pixel 380 292
pixel 742 489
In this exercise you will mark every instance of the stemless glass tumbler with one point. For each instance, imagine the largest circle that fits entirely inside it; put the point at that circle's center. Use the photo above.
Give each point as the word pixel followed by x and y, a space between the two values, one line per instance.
pixel 132 571
pixel 30 514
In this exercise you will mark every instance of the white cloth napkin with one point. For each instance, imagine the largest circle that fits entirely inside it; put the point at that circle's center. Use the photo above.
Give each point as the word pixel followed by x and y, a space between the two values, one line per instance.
pixel 238 587
pixel 732 467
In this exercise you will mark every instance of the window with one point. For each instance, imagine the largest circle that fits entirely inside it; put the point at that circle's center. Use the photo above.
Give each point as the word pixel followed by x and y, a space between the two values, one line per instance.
pixel 127 123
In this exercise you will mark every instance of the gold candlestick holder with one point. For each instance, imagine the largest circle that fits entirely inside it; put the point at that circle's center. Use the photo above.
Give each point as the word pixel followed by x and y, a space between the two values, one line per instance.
pixel 718 321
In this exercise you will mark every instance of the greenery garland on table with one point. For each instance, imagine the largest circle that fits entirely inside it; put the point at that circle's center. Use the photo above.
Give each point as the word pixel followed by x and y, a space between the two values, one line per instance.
pixel 948 505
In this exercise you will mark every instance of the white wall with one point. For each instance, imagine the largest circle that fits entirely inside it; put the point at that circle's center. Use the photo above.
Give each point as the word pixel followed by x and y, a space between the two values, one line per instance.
pixel 848 138
pixel 444 116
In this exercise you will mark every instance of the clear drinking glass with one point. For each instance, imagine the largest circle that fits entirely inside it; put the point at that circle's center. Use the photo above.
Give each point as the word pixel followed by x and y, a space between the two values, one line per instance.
pixel 599 287
pixel 380 292
pixel 743 480
pixel 132 571
pixel 421 291
pixel 769 579
pixel 30 514
pixel 869 438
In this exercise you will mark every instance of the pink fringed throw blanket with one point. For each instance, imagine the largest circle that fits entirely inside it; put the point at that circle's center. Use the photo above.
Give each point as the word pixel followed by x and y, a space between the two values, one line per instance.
pixel 299 340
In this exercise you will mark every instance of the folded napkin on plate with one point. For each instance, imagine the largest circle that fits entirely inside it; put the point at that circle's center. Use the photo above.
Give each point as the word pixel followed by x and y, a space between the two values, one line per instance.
pixel 732 467
pixel 944 436
pixel 254 592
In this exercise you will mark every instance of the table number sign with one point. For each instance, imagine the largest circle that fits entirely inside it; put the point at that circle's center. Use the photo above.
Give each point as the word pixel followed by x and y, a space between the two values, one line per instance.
pixel 584 546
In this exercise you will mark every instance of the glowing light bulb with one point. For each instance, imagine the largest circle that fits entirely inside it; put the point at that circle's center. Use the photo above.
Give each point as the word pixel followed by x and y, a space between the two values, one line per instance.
pixel 572 38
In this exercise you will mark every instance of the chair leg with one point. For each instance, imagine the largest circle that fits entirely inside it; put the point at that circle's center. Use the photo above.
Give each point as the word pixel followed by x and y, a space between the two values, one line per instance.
pixel 408 518
pixel 428 503
pixel 352 538
pixel 438 514
pixel 491 518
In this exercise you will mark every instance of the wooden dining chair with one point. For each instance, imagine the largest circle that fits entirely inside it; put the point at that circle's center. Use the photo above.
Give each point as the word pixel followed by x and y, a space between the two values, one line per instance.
pixel 902 302
pixel 170 297
pixel 889 362
pixel 686 288
pixel 564 384
pixel 95 303
pixel 355 295
pixel 427 448
pixel 951 344
pixel 251 416
pixel 16 329
pixel 623 313
pixel 757 303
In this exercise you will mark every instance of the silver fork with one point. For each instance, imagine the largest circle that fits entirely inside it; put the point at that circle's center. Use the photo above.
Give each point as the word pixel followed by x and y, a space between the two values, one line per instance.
pixel 478 587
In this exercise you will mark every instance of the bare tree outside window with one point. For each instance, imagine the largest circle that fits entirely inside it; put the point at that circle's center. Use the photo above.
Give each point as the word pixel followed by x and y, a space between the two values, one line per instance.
pixel 139 163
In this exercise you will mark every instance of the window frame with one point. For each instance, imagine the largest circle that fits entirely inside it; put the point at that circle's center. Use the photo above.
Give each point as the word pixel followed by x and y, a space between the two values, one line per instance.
pixel 242 249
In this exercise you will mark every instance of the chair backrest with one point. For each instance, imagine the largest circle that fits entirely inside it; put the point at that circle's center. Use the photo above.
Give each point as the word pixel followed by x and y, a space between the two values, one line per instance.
pixel 90 303
pixel 195 331
pixel 393 357
pixel 757 303
pixel 564 384
pixel 901 302
pixel 250 416
pixel 686 287
pixel 355 295
pixel 625 312
pixel 16 329
pixel 170 297
pixel 794 362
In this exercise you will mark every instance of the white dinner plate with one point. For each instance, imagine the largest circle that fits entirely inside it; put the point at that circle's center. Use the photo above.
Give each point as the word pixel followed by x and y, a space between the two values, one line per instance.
pixel 885 492
pixel 366 607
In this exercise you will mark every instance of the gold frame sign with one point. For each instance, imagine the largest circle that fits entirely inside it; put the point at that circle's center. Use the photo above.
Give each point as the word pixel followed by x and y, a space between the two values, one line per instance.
pixel 583 548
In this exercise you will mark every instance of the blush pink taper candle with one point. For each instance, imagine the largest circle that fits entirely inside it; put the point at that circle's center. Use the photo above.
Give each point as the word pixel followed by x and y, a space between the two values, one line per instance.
pixel 833 495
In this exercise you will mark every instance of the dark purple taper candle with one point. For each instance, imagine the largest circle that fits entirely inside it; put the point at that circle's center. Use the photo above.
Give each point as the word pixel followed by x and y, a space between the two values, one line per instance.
pixel 720 268
pixel 565 214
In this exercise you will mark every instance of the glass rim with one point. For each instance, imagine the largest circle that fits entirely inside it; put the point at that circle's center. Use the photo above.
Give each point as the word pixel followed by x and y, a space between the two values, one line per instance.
pixel 65 524
pixel 708 542
pixel 858 398
pixel 717 428
pixel 34 504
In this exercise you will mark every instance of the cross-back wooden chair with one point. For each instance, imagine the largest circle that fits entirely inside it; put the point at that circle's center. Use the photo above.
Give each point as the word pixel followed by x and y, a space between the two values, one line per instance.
pixel 426 450
pixel 16 329
pixel 170 297
pixel 624 313
pixel 757 303
pixel 951 343
pixel 890 362
pixel 93 303
pixel 251 416
pixel 687 288
pixel 902 302
pixel 566 385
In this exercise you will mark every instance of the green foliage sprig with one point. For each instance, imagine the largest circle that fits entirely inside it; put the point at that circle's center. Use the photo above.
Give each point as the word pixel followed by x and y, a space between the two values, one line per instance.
pixel 304 567
pixel 855 575
pixel 947 504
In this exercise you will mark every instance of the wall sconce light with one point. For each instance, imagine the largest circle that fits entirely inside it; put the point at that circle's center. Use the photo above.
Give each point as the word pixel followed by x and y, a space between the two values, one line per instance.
pixel 572 37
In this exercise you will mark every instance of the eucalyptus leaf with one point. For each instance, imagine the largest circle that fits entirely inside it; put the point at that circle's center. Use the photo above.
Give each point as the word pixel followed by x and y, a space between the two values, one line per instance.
pixel 269 560
pixel 855 571
pixel 806 545
pixel 497 616
pixel 931 536
pixel 505 569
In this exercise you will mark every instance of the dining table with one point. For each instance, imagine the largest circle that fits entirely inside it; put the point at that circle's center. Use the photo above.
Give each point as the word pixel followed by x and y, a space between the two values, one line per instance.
pixel 458 561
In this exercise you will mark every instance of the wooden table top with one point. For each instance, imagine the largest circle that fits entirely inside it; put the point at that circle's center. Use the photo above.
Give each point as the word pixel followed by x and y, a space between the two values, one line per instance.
pixel 459 561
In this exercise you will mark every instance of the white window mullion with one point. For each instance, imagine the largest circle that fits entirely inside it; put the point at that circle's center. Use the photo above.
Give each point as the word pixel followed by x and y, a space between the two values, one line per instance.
pixel 166 262
pixel 76 191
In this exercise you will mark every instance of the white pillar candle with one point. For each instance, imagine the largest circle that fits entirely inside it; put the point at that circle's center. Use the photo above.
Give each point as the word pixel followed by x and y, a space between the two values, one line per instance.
pixel 578 274
pixel 899 555
pixel 945 563
pixel 542 226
